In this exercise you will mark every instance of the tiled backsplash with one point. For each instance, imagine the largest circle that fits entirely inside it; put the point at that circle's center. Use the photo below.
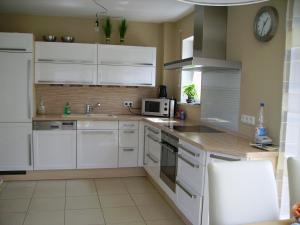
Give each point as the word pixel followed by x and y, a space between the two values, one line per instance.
pixel 110 98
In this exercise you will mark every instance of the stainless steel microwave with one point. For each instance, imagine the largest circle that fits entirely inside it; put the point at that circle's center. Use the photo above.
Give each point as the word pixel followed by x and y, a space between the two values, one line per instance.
pixel 156 107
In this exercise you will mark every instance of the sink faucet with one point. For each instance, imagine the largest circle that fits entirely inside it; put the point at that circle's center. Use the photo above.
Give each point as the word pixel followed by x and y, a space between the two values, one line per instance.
pixel 89 108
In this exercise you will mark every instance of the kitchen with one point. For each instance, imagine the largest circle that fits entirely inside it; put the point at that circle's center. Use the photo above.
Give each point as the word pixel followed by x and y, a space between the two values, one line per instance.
pixel 95 152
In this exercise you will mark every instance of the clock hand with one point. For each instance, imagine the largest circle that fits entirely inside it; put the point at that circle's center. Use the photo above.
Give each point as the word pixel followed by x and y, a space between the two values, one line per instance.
pixel 264 26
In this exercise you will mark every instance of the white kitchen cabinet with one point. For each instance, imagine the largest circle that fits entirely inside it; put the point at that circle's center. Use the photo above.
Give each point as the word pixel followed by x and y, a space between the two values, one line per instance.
pixel 54 149
pixel 126 75
pixel 16 146
pixel 128 156
pixel 128 138
pixel 61 52
pixel 16 42
pixel 126 55
pixel 65 63
pixel 97 144
pixel 55 73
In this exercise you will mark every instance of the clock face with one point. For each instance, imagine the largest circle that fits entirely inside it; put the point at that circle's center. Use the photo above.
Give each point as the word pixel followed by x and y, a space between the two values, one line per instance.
pixel 265 24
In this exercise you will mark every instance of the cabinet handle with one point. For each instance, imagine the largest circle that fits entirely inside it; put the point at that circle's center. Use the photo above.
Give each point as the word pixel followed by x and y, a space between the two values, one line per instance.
pixel 128 149
pixel 98 131
pixel 152 158
pixel 188 162
pixel 168 148
pixel 28 88
pixel 29 149
pixel 152 130
pixel 13 49
pixel 153 139
pixel 65 82
pixel 188 151
pixel 213 156
pixel 128 125
pixel 129 131
pixel 66 61
pixel 185 190
pixel 111 63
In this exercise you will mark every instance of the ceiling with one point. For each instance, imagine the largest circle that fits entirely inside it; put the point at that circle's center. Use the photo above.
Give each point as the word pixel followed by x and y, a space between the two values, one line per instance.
pixel 134 10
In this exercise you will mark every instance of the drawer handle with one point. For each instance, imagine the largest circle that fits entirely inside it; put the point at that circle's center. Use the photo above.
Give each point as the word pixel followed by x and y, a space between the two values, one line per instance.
pixel 128 131
pixel 129 125
pixel 128 149
pixel 30 149
pixel 213 156
pixel 98 131
pixel 152 158
pixel 153 131
pixel 188 162
pixel 188 151
pixel 185 190
pixel 153 139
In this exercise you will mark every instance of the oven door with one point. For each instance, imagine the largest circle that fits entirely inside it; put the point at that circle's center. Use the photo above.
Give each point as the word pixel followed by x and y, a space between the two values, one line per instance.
pixel 168 166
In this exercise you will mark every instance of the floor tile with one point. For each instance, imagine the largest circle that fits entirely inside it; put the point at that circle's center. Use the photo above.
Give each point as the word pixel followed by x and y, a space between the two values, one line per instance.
pixel 18 189
pixel 122 215
pixel 116 200
pixel 47 204
pixel 45 218
pixel 148 199
pixel 12 219
pixel 140 187
pixel 20 184
pixel 51 188
pixel 157 212
pixel 84 217
pixel 81 188
pixel 83 202
pixel 128 223
pixel 109 188
pixel 165 222
pixel 13 205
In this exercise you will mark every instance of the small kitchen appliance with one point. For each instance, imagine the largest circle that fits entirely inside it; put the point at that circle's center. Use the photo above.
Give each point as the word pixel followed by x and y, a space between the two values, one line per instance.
pixel 158 107
pixel 162 91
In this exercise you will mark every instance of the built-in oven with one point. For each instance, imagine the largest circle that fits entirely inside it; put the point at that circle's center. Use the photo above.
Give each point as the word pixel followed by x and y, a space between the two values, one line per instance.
pixel 168 163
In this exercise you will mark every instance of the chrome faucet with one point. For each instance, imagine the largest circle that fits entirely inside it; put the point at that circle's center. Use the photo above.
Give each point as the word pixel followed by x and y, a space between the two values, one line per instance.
pixel 89 108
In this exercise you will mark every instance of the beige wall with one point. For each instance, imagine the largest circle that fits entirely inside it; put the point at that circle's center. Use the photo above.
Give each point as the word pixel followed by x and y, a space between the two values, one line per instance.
pixel 262 65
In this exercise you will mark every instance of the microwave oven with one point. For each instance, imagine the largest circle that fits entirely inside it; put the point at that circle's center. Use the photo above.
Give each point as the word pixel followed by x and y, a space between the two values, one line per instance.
pixel 158 107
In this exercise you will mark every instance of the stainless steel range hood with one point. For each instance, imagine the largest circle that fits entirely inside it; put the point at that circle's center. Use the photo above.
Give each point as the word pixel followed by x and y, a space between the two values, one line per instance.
pixel 209 50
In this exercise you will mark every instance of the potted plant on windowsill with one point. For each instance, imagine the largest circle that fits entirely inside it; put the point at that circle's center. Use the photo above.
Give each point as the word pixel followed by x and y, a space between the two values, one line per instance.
pixel 191 92
pixel 107 28
pixel 122 30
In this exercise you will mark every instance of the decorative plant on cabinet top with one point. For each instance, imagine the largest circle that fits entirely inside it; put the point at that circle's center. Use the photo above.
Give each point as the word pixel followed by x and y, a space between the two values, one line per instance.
pixel 107 29
pixel 122 30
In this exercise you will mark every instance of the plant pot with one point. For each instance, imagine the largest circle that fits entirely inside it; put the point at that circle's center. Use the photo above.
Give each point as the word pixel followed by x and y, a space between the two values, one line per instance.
pixel 190 100
pixel 122 40
pixel 107 40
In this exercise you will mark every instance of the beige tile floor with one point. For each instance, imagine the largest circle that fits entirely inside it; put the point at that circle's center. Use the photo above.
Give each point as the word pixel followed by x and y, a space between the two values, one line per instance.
pixel 111 201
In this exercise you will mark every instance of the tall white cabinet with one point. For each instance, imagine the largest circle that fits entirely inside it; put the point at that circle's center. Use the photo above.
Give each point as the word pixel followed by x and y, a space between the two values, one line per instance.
pixel 16 91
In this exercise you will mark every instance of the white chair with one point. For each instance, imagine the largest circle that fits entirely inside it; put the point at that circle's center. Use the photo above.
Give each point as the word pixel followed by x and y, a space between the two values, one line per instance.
pixel 294 179
pixel 242 192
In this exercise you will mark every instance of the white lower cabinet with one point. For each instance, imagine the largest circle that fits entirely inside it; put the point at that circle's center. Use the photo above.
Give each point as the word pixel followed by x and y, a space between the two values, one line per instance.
pixel 15 146
pixel 54 149
pixel 97 144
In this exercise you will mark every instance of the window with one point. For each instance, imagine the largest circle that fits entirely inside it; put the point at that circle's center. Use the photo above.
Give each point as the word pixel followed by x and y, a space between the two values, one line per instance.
pixel 189 77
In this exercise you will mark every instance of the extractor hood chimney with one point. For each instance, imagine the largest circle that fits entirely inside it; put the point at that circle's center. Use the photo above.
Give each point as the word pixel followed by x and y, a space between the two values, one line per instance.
pixel 209 50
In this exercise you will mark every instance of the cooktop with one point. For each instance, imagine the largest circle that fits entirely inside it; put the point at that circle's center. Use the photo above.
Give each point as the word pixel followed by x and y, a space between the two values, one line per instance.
pixel 197 129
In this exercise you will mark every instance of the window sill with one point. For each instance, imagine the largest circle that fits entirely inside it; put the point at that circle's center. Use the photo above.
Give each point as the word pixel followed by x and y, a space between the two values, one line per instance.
pixel 196 104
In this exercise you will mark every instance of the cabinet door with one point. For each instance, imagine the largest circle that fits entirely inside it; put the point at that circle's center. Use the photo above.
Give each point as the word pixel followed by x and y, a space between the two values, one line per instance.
pixel 97 149
pixel 128 138
pixel 128 157
pixel 126 75
pixel 56 73
pixel 19 42
pixel 126 55
pixel 59 52
pixel 15 146
pixel 54 149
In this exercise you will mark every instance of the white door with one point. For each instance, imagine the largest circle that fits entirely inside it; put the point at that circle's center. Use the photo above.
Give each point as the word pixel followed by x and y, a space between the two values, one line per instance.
pixel 55 149
pixel 15 146
pixel 97 149
pixel 126 75
pixel 16 87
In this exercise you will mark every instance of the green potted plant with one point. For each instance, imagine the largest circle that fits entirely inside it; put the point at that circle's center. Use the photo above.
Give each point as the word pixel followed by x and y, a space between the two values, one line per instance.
pixel 191 92
pixel 107 28
pixel 122 30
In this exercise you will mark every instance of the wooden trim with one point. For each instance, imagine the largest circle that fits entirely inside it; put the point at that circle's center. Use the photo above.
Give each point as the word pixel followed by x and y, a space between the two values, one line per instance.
pixel 78 174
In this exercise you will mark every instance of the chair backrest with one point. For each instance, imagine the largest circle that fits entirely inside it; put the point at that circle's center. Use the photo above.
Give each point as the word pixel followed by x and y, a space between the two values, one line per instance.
pixel 294 179
pixel 242 192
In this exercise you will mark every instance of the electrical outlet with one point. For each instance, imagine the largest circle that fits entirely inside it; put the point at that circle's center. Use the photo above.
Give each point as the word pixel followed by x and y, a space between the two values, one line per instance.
pixel 128 104
pixel 246 119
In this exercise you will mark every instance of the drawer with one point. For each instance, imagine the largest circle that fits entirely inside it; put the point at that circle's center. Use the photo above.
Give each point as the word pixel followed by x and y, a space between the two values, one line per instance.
pixel 192 171
pixel 97 125
pixel 189 202
pixel 128 138
pixel 128 157
pixel 128 125
pixel 192 151
pixel 153 131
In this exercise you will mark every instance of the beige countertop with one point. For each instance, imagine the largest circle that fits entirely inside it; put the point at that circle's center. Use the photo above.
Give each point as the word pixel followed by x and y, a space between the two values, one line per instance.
pixel 225 143
pixel 280 222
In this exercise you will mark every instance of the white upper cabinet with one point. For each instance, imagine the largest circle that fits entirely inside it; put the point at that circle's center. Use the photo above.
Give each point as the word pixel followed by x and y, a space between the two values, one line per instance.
pixel 19 42
pixel 65 63
pixel 126 55
pixel 126 65
pixel 60 52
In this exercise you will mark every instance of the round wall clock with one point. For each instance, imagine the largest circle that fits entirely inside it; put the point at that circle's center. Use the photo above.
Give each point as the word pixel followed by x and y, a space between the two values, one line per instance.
pixel 265 23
